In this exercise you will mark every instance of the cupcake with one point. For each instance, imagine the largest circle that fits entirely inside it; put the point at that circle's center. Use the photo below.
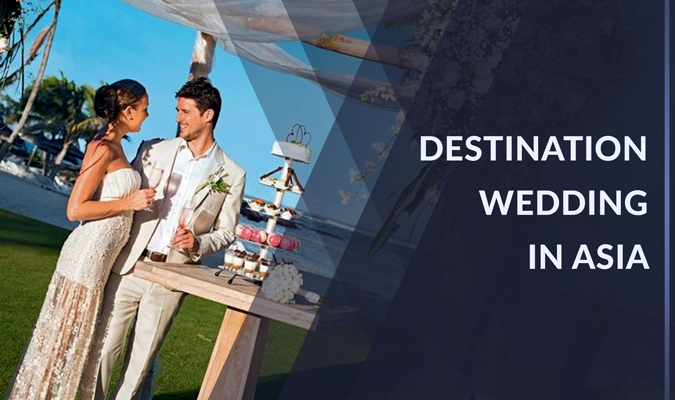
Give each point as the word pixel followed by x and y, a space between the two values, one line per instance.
pixel 256 204
pixel 268 181
pixel 271 209
pixel 288 213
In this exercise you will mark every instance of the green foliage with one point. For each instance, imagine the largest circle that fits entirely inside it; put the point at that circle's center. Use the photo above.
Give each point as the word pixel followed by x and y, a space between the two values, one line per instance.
pixel 215 182
pixel 62 109
pixel 10 11
pixel 17 28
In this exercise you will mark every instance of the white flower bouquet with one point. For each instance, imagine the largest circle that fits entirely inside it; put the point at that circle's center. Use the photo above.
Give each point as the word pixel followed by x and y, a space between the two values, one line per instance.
pixel 283 283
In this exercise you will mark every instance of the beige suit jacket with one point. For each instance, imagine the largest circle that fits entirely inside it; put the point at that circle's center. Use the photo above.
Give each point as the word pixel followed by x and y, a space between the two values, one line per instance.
pixel 215 215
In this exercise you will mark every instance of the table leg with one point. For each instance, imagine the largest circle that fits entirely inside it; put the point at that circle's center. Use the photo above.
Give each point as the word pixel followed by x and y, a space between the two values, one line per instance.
pixel 235 362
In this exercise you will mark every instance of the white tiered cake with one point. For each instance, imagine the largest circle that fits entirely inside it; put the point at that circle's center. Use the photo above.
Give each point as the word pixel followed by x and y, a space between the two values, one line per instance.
pixel 293 151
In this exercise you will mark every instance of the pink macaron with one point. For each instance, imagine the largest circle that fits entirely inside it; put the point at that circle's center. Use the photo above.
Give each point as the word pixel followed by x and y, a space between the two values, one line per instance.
pixel 246 233
pixel 274 240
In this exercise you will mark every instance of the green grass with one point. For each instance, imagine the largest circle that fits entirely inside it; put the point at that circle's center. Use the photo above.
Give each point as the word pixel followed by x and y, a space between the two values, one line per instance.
pixel 28 255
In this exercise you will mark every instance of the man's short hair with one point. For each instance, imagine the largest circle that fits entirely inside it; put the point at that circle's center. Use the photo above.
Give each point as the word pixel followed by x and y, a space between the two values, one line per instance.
pixel 204 95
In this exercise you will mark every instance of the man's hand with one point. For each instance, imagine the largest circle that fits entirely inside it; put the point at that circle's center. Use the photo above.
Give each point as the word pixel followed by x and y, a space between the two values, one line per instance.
pixel 185 239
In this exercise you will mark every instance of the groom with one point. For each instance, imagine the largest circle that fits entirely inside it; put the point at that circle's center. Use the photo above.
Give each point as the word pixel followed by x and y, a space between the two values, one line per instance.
pixel 188 163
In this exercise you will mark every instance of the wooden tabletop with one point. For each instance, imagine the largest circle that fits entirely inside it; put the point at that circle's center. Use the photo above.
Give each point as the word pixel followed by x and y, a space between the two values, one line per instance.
pixel 242 295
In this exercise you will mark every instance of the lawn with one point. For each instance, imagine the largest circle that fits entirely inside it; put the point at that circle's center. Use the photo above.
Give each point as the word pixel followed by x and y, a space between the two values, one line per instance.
pixel 28 255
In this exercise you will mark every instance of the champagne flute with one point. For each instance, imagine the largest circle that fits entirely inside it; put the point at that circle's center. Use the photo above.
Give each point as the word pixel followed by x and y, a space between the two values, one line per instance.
pixel 155 178
pixel 185 218
pixel 156 175
pixel 186 215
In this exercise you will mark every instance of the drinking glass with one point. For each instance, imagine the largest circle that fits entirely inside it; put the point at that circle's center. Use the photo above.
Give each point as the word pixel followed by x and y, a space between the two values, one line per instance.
pixel 185 218
pixel 155 178
pixel 156 175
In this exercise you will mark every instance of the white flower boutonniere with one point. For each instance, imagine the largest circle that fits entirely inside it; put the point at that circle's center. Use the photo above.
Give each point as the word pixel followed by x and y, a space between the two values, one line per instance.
pixel 216 183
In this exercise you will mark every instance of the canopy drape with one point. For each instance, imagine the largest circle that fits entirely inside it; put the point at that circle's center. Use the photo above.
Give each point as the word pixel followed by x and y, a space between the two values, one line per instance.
pixel 251 29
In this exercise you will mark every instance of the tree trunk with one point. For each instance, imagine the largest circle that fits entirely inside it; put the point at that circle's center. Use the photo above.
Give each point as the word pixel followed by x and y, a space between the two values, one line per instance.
pixel 32 156
pixel 59 158
pixel 4 149
pixel 45 163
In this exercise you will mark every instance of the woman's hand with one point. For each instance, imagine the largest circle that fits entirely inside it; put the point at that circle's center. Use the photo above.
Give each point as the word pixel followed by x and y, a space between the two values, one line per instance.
pixel 141 199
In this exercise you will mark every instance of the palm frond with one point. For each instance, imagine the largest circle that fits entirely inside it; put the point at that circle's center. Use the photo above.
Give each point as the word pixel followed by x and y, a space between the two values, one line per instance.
pixel 7 78
pixel 32 54
pixel 39 17
pixel 38 42
pixel 87 126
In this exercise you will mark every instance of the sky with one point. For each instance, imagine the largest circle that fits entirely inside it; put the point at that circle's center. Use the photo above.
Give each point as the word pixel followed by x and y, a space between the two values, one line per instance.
pixel 101 41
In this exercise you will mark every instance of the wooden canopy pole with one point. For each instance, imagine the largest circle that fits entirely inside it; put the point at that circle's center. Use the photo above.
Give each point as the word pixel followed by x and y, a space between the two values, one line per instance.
pixel 203 54
pixel 400 57
pixel 385 54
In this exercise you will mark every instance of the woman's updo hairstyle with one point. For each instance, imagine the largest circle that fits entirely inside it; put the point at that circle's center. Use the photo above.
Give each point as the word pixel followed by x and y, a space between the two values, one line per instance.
pixel 111 100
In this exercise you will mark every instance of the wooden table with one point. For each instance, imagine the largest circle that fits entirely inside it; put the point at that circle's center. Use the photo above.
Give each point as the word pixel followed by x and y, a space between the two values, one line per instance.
pixel 237 355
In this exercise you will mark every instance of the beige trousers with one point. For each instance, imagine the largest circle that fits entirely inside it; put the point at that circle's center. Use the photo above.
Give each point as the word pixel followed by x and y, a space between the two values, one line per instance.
pixel 153 308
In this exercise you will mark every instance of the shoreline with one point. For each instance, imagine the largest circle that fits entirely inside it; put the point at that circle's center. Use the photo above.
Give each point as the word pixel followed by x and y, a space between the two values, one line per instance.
pixel 34 201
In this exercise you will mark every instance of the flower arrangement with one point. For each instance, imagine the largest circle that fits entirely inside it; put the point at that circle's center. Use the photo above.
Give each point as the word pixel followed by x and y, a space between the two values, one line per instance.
pixel 215 182
pixel 284 282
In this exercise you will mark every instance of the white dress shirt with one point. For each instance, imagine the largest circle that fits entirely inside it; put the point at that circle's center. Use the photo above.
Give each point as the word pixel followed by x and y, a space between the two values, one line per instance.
pixel 188 171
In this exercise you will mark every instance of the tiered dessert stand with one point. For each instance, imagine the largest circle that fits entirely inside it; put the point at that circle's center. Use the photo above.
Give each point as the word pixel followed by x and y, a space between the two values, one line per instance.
pixel 292 150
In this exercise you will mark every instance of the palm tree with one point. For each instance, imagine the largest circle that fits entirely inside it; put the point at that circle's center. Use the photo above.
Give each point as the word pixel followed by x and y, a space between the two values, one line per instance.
pixel 61 110
pixel 82 122
pixel 4 148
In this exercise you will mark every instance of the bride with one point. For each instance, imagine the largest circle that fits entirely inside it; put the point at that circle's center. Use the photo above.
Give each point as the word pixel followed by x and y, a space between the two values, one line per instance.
pixel 104 198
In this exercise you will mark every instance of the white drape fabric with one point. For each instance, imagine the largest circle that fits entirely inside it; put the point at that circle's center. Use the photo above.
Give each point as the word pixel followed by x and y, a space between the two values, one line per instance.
pixel 270 20
pixel 250 29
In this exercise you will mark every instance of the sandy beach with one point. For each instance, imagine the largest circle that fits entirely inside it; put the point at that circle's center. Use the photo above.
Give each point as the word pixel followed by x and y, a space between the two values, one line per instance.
pixel 25 198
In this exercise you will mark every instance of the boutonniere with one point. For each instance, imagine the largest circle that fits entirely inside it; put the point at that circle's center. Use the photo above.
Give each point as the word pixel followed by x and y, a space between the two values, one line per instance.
pixel 216 183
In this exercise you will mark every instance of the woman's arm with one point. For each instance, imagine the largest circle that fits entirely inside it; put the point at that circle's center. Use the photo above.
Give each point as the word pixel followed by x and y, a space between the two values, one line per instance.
pixel 94 167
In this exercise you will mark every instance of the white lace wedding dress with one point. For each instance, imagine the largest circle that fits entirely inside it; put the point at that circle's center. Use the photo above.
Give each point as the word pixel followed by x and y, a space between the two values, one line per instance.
pixel 54 363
